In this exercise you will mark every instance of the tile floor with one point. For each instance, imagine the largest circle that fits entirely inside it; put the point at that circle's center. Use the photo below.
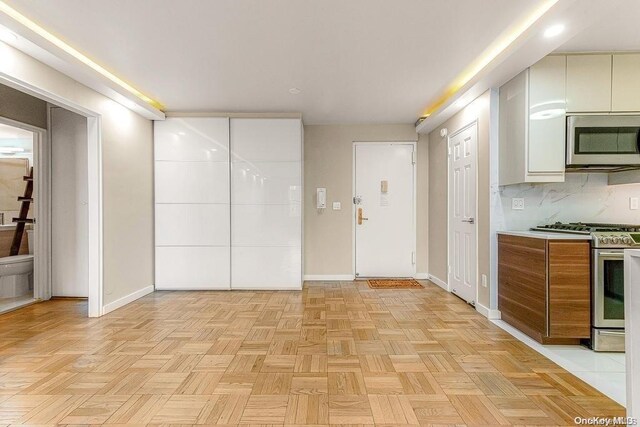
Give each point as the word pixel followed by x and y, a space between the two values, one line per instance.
pixel 603 371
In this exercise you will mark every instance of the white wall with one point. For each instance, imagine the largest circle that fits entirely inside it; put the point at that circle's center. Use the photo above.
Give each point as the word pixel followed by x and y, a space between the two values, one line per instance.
pixel 127 175
pixel 69 213
pixel 582 197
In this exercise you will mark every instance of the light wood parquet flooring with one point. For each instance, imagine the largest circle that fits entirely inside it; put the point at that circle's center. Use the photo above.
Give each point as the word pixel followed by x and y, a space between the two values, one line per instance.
pixel 333 354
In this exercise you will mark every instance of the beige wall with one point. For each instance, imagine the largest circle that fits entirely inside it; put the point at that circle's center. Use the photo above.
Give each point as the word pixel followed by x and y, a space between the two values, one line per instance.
pixel 438 166
pixel 22 107
pixel 328 157
pixel 127 168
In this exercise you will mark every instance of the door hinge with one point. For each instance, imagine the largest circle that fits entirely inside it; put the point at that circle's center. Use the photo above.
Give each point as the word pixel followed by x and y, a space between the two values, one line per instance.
pixel 413 157
pixel 449 151
pixel 413 258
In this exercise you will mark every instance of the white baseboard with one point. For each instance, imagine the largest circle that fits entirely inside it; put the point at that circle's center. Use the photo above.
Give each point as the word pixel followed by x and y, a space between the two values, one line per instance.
pixel 421 276
pixel 439 282
pixel 488 312
pixel 267 288
pixel 126 299
pixel 192 288
pixel 328 277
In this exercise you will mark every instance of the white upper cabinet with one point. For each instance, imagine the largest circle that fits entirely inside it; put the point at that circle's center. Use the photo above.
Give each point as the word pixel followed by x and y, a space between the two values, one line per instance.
pixel 588 83
pixel 513 129
pixel 547 107
pixel 532 124
pixel 625 85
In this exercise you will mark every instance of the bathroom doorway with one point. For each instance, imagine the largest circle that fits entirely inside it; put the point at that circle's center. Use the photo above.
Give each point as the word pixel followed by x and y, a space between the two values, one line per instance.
pixel 19 196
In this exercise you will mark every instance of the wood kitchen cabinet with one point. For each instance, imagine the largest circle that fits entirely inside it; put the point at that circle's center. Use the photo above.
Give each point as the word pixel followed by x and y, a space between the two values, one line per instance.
pixel 544 287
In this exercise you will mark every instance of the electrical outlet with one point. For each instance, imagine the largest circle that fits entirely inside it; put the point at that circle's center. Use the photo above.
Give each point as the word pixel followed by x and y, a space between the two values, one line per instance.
pixel 633 203
pixel 517 204
pixel 484 280
pixel 337 206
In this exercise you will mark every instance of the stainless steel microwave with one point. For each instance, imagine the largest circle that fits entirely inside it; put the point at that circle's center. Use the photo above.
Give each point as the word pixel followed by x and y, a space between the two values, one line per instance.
pixel 602 141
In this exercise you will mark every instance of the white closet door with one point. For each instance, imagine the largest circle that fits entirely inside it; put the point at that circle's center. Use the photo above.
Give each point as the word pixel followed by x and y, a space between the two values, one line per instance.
pixel 266 204
pixel 192 203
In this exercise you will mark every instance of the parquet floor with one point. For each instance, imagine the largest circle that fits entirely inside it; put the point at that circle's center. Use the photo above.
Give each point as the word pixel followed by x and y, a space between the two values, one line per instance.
pixel 333 354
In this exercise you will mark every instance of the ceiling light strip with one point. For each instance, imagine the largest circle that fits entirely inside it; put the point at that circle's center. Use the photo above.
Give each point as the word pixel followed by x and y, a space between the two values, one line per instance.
pixel 491 53
pixel 20 18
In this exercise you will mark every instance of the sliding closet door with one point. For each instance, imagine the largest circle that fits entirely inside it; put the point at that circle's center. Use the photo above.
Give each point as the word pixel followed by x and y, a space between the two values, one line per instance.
pixel 192 203
pixel 266 204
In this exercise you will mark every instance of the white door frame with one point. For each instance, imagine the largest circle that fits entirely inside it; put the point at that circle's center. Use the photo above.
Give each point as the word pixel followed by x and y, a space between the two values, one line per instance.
pixel 450 202
pixel 94 168
pixel 353 195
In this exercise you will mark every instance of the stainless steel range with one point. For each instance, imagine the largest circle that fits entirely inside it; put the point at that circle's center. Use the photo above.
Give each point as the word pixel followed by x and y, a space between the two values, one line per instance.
pixel 607 270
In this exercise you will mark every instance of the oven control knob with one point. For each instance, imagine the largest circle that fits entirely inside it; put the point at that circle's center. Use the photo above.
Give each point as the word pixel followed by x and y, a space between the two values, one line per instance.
pixel 615 239
pixel 627 240
pixel 604 240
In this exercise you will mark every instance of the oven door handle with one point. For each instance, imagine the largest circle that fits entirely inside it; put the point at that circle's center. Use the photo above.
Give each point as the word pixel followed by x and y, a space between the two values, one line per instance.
pixel 612 254
pixel 616 333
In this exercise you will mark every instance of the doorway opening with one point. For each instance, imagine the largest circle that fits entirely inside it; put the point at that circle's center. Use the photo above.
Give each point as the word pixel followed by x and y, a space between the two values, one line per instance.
pixel 92 224
pixel 18 154
pixel 462 235
pixel 384 213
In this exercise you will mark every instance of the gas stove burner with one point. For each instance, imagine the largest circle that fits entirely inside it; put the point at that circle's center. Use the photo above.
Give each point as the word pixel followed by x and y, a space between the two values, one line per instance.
pixel 586 227
pixel 616 236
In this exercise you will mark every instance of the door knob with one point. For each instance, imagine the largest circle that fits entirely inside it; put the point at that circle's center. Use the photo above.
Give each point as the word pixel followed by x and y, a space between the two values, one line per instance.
pixel 469 220
pixel 360 217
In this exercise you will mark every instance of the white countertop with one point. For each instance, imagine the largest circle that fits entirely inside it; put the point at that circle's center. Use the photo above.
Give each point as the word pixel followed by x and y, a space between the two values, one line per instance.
pixel 546 235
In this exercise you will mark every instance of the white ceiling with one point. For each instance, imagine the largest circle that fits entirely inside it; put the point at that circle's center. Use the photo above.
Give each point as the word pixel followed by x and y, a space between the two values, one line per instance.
pixel 355 61
pixel 618 32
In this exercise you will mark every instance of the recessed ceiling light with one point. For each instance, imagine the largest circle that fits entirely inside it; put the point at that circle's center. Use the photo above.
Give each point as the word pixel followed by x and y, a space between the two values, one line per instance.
pixel 11 150
pixel 294 91
pixel 554 30
pixel 8 36
pixel 182 133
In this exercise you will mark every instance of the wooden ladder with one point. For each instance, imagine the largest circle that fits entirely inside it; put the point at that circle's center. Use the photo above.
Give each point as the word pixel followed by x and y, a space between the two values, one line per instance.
pixel 24 212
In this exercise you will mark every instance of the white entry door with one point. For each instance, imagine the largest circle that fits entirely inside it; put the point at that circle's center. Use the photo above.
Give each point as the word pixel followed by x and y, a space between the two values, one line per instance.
pixel 462 214
pixel 384 210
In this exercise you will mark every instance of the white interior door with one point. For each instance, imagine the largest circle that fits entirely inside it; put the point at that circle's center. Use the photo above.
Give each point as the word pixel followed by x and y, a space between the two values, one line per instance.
pixel 462 214
pixel 384 211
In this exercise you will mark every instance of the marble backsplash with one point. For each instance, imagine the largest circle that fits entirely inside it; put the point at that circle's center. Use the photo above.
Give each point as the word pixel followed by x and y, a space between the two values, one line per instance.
pixel 582 197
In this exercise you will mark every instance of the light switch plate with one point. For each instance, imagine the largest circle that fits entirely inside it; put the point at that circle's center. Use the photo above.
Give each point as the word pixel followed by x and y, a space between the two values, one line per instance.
pixel 517 204
pixel 337 206
pixel 633 203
